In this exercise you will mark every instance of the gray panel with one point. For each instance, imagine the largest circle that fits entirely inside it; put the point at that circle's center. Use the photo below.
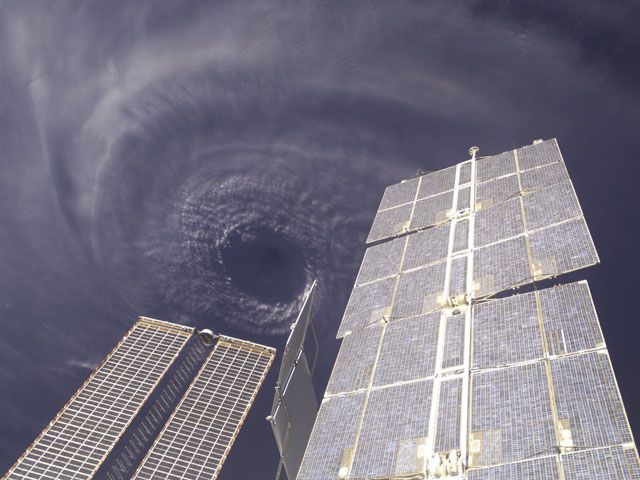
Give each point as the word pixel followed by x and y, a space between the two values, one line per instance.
pixel 497 191
pixel 464 199
pixel 461 236
pixel 496 166
pixel 432 211
pixel 465 173
pixel 398 194
pixel 295 342
pixel 588 400
pixel 301 408
pixel 449 410
pixel 538 469
pixel 395 420
pixel 390 222
pixel 562 248
pixel 537 155
pixel 367 305
pixel 408 350
pixel 437 182
pixel 543 177
pixel 570 321
pixel 510 415
pixel 454 341
pixel 458 280
pixel 614 463
pixel 501 266
pixel 355 362
pixel 381 261
pixel 418 291
pixel 552 205
pixel 506 331
pixel 499 222
pixel 426 247
pixel 333 432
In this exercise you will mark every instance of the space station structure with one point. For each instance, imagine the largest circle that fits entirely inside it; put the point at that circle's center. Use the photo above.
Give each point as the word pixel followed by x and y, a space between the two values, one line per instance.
pixel 166 403
pixel 462 357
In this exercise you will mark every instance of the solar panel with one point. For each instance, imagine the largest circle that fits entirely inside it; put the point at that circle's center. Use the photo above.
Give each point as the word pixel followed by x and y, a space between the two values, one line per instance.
pixel 589 407
pixel 399 194
pixel 449 410
pixel 76 442
pixel 526 377
pixel 432 211
pixel 612 463
pixel 437 182
pixel 506 331
pixel 570 320
pixel 330 448
pixel 388 223
pixel 355 362
pixel 196 440
pixel 562 248
pixel 426 247
pixel 367 305
pixel 495 166
pixel 381 261
pixel 537 469
pixel 511 416
pixel 501 266
pixel 408 350
pixel 419 291
pixel 539 154
pixel 392 436
pixel 498 223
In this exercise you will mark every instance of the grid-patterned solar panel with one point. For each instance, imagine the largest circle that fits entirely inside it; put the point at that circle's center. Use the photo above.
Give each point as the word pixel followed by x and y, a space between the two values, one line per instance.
pixel 564 201
pixel 539 154
pixel 449 410
pixel 501 266
pixel 437 182
pixel 495 166
pixel 496 191
pixel 537 469
pixel 367 305
pixel 381 261
pixel 196 440
pixel 388 223
pixel 419 290
pixel 76 442
pixel 432 211
pixel 613 463
pixel 399 194
pixel 499 223
pixel 426 247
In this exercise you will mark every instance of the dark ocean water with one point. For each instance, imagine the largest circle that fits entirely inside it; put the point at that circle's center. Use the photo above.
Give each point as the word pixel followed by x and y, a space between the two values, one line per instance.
pixel 203 162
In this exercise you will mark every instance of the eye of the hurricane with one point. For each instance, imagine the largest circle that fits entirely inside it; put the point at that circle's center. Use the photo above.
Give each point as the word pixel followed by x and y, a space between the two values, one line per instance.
pixel 264 264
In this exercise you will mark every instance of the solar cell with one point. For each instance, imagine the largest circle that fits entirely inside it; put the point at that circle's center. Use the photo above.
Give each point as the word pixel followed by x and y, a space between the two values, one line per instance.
pixel 461 236
pixel 398 194
pixel 500 266
pixel 390 222
pixel 562 248
pixel 432 211
pixel 332 438
pixel 437 182
pixel 511 415
pixel 393 432
pixel 196 440
pixel 426 247
pixel 613 463
pixel 355 362
pixel 76 442
pixel 506 331
pixel 537 469
pixel 589 407
pixel 500 222
pixel 381 261
pixel 367 305
pixel 408 350
pixel 464 199
pixel 419 291
pixel 465 173
pixel 539 154
pixel 458 277
pixel 495 166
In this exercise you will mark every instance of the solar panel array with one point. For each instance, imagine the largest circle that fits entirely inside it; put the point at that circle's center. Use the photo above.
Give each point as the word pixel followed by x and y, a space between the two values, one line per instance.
pixel 196 440
pixel 83 433
pixel 436 376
